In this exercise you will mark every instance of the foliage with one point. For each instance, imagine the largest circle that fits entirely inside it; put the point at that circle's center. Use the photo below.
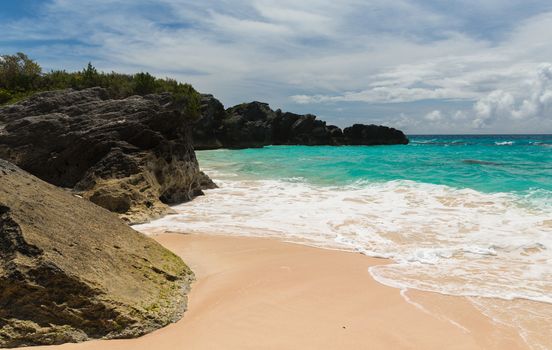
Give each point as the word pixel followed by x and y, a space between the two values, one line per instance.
pixel 90 76
pixel 20 77
pixel 5 96
pixel 144 83
pixel 18 73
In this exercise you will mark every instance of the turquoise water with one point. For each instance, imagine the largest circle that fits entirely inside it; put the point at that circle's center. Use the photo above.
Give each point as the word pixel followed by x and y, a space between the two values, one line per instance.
pixel 457 215
pixel 504 163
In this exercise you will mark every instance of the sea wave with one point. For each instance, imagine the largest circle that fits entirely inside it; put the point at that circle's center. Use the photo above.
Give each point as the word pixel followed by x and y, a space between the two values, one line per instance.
pixel 442 239
pixel 440 143
pixel 493 248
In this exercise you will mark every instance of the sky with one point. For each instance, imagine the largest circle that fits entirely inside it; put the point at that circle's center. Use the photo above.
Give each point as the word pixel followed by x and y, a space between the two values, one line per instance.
pixel 423 66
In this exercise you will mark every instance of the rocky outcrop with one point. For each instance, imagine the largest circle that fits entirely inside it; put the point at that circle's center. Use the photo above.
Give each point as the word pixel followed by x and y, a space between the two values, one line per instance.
pixel 255 124
pixel 369 135
pixel 212 115
pixel 133 156
pixel 71 270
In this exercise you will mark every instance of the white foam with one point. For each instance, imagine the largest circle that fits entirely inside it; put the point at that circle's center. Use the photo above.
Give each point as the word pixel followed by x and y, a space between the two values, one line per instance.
pixel 504 143
pixel 459 242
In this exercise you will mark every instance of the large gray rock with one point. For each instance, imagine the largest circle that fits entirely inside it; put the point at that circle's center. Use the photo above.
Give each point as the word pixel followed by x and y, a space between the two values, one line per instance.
pixel 133 156
pixel 71 270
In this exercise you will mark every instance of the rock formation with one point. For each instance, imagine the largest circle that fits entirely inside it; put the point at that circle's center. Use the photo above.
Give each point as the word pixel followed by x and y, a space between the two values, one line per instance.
pixel 132 156
pixel 135 156
pixel 370 135
pixel 71 270
pixel 256 125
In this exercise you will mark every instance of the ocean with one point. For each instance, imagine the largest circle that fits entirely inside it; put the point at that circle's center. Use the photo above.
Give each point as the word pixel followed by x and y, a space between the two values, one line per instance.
pixel 460 215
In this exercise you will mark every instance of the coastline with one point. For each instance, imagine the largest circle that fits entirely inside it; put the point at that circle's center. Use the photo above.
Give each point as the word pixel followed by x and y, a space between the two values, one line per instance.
pixel 255 293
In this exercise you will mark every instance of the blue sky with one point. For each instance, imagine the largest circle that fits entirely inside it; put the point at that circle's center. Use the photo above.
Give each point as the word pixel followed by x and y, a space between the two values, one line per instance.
pixel 423 66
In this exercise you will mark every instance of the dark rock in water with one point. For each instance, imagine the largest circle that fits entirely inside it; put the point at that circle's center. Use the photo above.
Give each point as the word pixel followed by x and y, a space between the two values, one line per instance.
pixel 132 156
pixel 481 162
pixel 71 270
pixel 360 134
pixel 256 125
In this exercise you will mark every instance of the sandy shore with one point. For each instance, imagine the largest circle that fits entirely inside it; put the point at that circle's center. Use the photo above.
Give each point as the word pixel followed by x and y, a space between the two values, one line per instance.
pixel 254 293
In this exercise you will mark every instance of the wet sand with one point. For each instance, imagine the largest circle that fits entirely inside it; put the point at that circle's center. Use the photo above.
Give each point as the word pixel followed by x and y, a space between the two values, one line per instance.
pixel 256 293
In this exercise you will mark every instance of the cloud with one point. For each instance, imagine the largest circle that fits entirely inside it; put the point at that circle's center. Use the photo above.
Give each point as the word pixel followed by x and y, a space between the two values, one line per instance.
pixel 532 100
pixel 349 61
pixel 434 116
pixel 389 94
pixel 496 104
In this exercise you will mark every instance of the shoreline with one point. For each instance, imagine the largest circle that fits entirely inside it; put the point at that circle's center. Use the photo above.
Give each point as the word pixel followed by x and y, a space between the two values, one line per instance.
pixel 255 293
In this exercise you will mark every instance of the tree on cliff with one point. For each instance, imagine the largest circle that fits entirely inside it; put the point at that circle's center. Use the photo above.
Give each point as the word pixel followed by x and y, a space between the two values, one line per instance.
pixel 90 76
pixel 18 73
pixel 144 83
pixel 20 77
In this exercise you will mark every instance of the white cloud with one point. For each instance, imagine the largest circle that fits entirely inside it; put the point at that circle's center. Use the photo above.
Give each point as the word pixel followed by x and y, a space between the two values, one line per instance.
pixel 490 107
pixel 389 94
pixel 300 21
pixel 533 99
pixel 414 57
pixel 434 116
pixel 246 27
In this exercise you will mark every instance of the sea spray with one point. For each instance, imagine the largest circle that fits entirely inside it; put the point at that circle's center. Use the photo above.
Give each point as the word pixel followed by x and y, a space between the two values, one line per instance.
pixel 483 244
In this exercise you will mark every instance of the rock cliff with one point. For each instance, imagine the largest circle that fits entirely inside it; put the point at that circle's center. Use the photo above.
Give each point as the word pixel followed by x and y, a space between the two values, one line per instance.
pixel 133 156
pixel 71 270
pixel 255 124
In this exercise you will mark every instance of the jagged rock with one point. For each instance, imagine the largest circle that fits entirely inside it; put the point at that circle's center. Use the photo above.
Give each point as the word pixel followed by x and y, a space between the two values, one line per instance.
pixel 132 156
pixel 256 125
pixel 71 270
pixel 368 135
pixel 211 118
pixel 254 111
pixel 335 132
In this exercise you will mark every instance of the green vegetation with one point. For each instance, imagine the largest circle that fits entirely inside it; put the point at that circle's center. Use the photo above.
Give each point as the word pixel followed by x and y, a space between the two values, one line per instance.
pixel 21 77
